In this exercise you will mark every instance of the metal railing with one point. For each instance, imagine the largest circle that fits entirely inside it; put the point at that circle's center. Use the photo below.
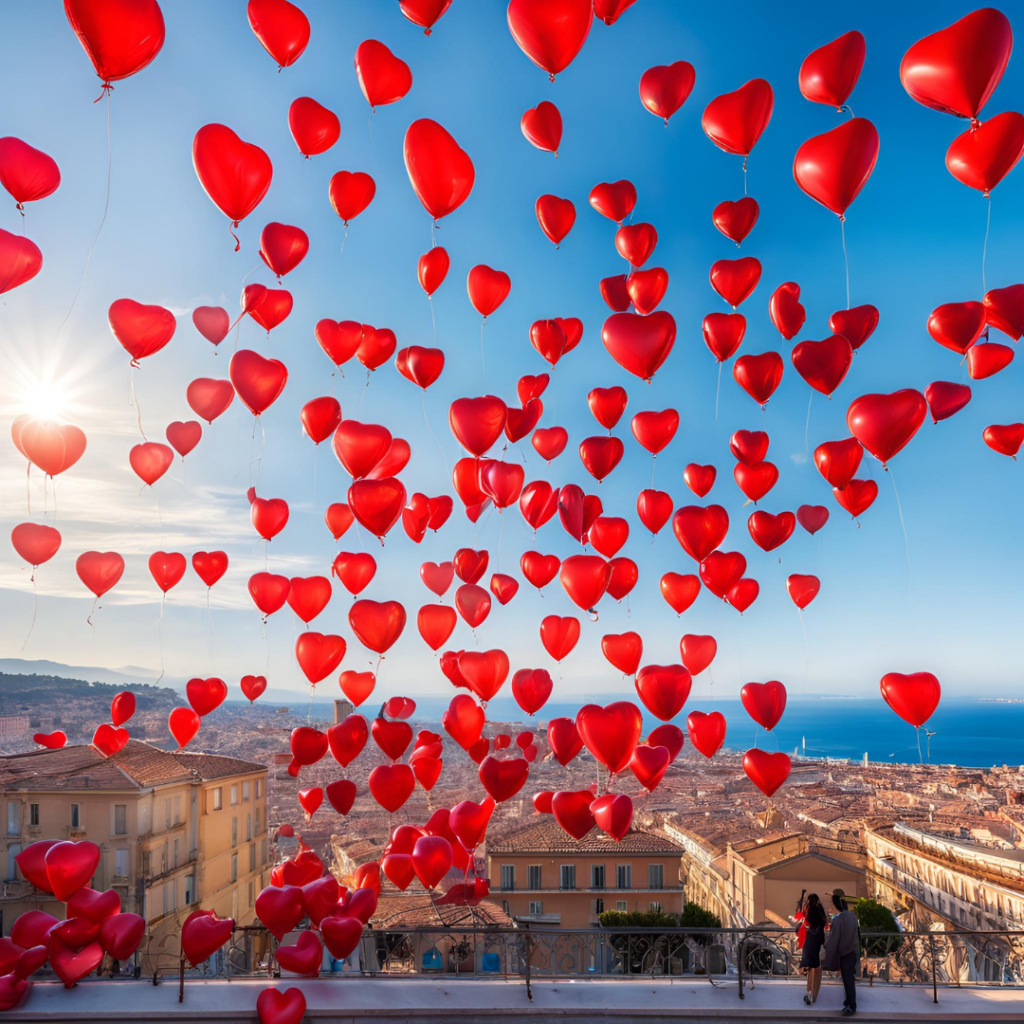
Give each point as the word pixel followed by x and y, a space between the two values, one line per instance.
pixel 740 957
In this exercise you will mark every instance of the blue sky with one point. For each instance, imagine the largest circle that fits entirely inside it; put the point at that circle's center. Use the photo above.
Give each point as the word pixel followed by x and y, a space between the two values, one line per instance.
pixel 914 237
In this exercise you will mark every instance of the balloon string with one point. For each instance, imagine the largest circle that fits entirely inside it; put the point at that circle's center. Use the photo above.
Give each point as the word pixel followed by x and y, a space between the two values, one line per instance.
pixel 807 647
pixel 846 259
pixel 483 367
pixel 103 219
pixel 134 402
pixel 433 320
pixel 344 239
pixel 437 440
pixel 917 730
pixel 718 390
pixel 35 609
pixel 160 637
pixel 903 526
pixel 984 248
pixel 807 426
pixel 745 175
pixel 28 486
pixel 362 393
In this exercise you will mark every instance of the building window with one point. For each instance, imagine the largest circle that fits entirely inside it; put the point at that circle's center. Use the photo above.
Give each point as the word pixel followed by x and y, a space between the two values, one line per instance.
pixel 33 814
pixel 533 876
pixel 12 865
pixel 567 876
pixel 508 876
pixel 167 812
pixel 248 827
pixel 536 907
pixel 188 889
pixel 121 861
pixel 620 905
pixel 259 789
pixel 252 859
pixel 234 831
pixel 13 818
pixel 598 906
pixel 234 867
pixel 245 791
pixel 258 829
pixel 120 819
pixel 624 876
pixel 251 890
pixel 177 809
pixel 655 876
pixel 234 794
pixel 504 906
pixel 174 863
pixel 596 876
pixel 74 816
pixel 655 907
pixel 218 798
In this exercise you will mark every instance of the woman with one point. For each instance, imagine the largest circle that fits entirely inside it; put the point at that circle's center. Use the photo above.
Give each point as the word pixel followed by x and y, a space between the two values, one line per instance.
pixel 815 920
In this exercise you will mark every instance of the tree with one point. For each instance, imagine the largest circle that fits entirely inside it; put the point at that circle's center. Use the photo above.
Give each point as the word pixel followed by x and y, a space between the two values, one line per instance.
pixel 695 916
pixel 874 917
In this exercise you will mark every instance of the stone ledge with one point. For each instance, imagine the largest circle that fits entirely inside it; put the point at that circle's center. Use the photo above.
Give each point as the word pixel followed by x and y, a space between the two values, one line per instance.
pixel 402 1000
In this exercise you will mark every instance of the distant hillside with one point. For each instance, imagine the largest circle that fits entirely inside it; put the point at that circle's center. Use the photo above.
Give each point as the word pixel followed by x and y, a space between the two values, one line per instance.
pixel 20 690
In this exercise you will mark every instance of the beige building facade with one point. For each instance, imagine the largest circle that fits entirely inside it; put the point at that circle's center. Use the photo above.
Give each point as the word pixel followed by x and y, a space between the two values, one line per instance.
pixel 177 831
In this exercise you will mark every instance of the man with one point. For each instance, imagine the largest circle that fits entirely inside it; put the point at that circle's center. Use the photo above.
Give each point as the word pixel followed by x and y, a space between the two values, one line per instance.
pixel 843 948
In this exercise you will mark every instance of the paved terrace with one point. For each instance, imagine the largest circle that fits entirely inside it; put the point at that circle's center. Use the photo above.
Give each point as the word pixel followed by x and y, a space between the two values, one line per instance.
pixel 464 1001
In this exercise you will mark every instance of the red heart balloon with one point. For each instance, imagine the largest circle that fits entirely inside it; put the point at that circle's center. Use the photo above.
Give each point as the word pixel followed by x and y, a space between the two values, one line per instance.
pixel 121 935
pixel 319 654
pixel 736 219
pixel 393 738
pixel 269 516
pixel 504 587
pixel 280 909
pixel 734 121
pixel 984 154
pixel 614 199
pixel 269 591
pixel 424 13
pixel 531 688
pixel 1005 439
pixel 749 446
pixel 542 126
pixel 432 859
pixel 663 689
pixel 564 739
pixel 183 437
pixel 436 623
pixel 469 820
pixel 69 867
pixel 635 243
pixel 234 174
pixel 354 569
pixel 485 672
pixel 913 697
pixel 812 517
pixel 503 779
pixel 283 31
pixel 539 569
pixel 572 812
pixel 823 364
pixel 613 813
pixel 769 532
pixel 304 957
pixel 559 635
pixel 420 365
pixel 556 217
pixel 487 288
pixel 1004 309
pixel 600 455
pixel 988 359
pixel 141 330
pixel 357 686
pixel 377 504
pixel 209 398
pixel 700 530
pixel 610 733
pixel 27 173
pixel 856 325
pixel 351 192
pixel 314 128
pixel 20 260
pixel 649 764
pixel 550 32
pixel 785 309
pixel 884 424
pixel 108 740
pixel 377 624
pixel 707 731
pixel 759 375
pixel 832 168
pixel 257 381
pixel 735 280
pixel 383 77
pixel 283 247
pixel 802 589
pixel 765 770
pixel 608 534
pixel 956 69
pixel 71 965
pixel 167 568
pixel 585 579
pixel 473 603
pixel 119 39
pixel 664 89
pixel 837 461
pixel 829 73
pixel 202 934
pixel 35 543
pixel 99 570
pixel 477 423
pixel 720 571
pixel 857 496
pixel 654 430
pixel 253 686
pixel 679 591
pixel 607 405
pixel 764 702
pixel 623 651
pixel 743 595
pixel 341 934
pixel 441 173
pixel 206 695
pixel 391 785
pixel 150 461
pixel 210 566
pixel 639 344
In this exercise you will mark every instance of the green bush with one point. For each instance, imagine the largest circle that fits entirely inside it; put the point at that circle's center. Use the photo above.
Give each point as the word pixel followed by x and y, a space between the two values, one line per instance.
pixel 695 916
pixel 874 917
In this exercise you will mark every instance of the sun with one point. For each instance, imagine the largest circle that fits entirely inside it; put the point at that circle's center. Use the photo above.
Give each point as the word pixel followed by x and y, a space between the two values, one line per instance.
pixel 45 399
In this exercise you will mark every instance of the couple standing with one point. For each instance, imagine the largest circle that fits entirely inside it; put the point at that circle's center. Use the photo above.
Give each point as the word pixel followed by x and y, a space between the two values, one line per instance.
pixel 841 949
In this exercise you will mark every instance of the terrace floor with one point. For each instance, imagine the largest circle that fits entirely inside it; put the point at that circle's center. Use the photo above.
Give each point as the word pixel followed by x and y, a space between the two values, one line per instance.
pixel 465 1001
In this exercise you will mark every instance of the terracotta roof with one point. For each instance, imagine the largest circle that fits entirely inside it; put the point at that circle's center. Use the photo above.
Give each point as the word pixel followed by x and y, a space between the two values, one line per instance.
pixel 138 766
pixel 415 910
pixel 547 836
